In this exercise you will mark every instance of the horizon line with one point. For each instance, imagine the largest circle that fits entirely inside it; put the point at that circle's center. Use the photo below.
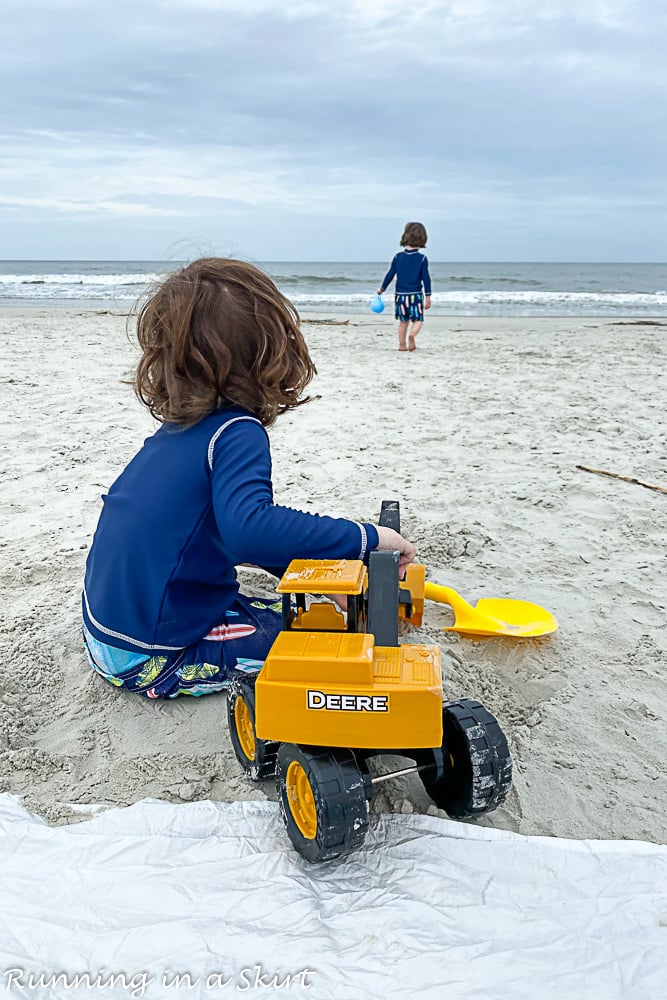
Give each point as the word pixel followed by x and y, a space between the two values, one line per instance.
pixel 287 260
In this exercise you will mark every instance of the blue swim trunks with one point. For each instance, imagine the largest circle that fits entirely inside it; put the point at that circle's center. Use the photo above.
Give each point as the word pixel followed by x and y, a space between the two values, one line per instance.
pixel 240 642
pixel 409 307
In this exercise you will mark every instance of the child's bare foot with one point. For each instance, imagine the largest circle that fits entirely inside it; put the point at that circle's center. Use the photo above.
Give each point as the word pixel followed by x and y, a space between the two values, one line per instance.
pixel 402 347
pixel 411 343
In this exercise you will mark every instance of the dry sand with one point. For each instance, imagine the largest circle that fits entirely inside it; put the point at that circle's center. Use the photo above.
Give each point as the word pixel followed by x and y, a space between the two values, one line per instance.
pixel 478 433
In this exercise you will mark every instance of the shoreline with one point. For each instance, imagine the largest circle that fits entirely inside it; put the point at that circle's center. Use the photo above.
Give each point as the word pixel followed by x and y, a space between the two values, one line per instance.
pixel 328 315
pixel 479 438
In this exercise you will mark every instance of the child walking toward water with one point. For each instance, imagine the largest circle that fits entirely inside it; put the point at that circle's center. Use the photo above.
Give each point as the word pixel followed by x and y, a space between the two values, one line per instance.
pixel 413 284
pixel 222 358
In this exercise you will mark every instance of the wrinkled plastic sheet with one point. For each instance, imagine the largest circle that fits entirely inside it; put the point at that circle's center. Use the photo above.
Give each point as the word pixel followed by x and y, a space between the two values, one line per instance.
pixel 130 898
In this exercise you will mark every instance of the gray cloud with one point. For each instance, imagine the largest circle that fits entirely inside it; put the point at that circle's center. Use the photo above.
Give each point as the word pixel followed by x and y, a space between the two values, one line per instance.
pixel 523 125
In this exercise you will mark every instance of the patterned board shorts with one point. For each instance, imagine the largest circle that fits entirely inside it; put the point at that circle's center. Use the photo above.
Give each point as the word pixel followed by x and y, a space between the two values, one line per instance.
pixel 240 642
pixel 409 308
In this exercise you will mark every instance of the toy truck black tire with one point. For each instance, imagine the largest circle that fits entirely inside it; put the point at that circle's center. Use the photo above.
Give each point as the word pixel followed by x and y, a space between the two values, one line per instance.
pixel 256 757
pixel 323 800
pixel 476 767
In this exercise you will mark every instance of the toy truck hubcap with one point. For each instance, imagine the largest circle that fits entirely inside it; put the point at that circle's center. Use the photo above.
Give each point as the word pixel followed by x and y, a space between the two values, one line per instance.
pixel 244 728
pixel 301 800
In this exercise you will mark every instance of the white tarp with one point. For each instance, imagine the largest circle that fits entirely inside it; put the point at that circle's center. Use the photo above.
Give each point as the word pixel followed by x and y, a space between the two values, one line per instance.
pixel 430 909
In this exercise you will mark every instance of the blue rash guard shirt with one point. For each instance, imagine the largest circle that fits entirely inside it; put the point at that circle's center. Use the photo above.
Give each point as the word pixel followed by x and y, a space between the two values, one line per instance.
pixel 410 268
pixel 190 506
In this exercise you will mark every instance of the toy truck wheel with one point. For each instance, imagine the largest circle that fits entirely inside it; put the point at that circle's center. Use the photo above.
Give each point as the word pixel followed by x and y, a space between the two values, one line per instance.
pixel 477 766
pixel 323 800
pixel 256 757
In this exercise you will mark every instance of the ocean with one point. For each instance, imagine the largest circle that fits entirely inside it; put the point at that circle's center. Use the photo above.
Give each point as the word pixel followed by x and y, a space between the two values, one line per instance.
pixel 459 288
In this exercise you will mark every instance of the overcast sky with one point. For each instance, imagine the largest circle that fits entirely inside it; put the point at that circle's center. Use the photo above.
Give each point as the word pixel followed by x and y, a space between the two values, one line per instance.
pixel 289 130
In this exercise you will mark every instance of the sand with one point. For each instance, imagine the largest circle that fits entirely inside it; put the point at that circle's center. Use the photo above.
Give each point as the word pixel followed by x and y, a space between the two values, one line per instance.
pixel 478 433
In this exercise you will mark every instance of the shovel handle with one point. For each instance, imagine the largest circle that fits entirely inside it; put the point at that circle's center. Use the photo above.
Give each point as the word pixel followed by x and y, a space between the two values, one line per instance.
pixel 445 595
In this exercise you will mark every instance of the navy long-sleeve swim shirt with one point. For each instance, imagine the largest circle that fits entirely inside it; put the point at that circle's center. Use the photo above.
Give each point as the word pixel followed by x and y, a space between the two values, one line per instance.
pixel 410 267
pixel 190 506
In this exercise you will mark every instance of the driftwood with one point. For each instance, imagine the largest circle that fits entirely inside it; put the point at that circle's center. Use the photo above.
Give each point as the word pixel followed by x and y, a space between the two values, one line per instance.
pixel 626 479
pixel 638 322
pixel 329 322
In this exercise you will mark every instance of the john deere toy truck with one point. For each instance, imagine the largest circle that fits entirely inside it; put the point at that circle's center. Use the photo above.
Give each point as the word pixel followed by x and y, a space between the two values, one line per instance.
pixel 337 689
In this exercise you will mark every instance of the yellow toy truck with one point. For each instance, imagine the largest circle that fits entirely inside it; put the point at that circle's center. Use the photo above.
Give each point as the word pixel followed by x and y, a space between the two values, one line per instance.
pixel 337 689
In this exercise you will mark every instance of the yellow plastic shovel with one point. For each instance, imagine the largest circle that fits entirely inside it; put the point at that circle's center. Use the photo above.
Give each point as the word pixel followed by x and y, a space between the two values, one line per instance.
pixel 492 615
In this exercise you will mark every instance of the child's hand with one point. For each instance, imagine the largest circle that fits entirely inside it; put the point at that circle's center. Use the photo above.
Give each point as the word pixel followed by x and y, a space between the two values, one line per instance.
pixel 427 303
pixel 392 541
pixel 339 599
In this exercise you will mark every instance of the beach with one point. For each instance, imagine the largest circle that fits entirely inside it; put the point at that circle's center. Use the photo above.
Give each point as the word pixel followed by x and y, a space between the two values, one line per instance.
pixel 478 433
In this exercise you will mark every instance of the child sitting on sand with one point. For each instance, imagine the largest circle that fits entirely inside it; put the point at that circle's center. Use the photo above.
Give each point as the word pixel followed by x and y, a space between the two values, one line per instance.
pixel 410 268
pixel 222 358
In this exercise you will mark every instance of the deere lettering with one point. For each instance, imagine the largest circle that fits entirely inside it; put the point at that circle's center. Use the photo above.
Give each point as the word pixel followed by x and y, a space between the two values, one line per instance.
pixel 348 702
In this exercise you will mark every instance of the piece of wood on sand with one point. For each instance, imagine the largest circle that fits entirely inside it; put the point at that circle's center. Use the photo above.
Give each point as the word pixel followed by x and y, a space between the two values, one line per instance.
pixel 626 479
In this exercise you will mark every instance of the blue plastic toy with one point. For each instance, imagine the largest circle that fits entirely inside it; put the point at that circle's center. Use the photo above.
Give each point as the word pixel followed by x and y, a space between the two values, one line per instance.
pixel 377 305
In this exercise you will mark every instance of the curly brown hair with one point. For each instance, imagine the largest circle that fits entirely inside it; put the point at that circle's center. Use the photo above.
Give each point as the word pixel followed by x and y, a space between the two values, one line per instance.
pixel 216 333
pixel 414 235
